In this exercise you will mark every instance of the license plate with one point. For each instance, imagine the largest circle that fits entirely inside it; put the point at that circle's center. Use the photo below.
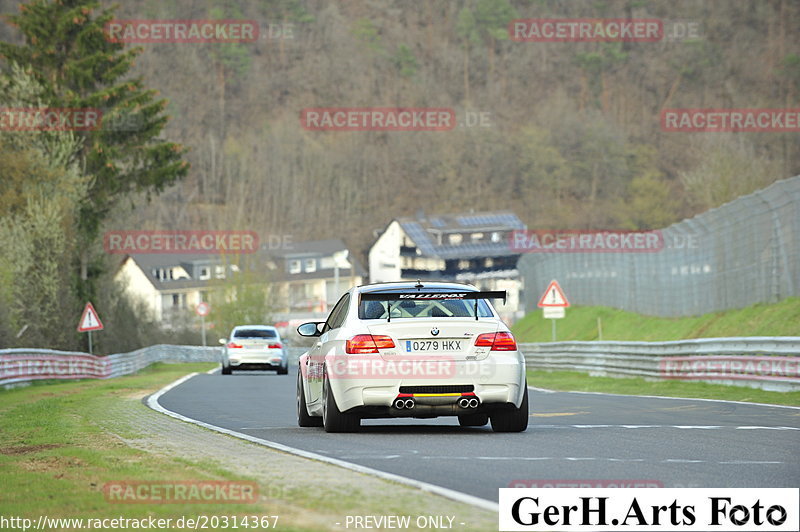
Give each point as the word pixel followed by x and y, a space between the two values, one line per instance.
pixel 255 346
pixel 443 345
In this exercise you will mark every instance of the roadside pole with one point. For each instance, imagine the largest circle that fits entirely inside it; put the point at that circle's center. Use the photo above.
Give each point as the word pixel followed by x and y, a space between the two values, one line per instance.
pixel 89 322
pixel 202 309
pixel 553 304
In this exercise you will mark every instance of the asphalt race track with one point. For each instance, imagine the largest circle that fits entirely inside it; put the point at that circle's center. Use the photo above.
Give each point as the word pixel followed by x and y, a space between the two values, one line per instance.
pixel 572 437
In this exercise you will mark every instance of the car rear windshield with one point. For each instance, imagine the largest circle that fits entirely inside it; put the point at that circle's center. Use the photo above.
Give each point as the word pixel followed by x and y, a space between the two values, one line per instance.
pixel 416 308
pixel 254 333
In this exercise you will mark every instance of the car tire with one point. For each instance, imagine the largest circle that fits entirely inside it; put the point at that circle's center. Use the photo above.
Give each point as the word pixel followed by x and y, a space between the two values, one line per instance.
pixel 303 417
pixel 226 370
pixel 283 370
pixel 333 419
pixel 512 420
pixel 473 420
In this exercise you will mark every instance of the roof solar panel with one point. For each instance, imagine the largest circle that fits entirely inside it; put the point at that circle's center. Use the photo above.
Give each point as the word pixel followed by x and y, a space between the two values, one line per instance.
pixel 507 219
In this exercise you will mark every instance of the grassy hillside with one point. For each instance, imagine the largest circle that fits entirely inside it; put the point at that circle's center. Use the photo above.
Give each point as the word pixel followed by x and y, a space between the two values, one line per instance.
pixel 781 319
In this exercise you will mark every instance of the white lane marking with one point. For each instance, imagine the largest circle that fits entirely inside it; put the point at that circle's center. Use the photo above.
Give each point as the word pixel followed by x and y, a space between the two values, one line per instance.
pixel 545 390
pixel 600 459
pixel 750 462
pixel 370 457
pixel 152 402
pixel 681 427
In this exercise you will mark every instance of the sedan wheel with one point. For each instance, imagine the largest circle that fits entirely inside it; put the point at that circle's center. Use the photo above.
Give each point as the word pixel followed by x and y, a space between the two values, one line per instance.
pixel 332 418
pixel 303 418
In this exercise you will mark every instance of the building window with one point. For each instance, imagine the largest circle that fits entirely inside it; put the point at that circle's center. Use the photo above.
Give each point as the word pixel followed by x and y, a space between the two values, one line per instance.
pixel 489 262
pixel 476 237
pixel 311 265
pixel 454 239
pixel 463 264
pixel 219 272
pixel 205 274
pixel 294 266
pixel 176 300
pixel 495 237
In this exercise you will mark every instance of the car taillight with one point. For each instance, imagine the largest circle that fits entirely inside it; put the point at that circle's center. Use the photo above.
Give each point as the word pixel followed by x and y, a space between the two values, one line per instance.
pixel 232 345
pixel 502 341
pixel 484 340
pixel 276 345
pixel 367 343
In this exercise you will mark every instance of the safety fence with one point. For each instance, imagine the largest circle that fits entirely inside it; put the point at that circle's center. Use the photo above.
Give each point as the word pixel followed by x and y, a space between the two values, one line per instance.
pixel 769 363
pixel 741 253
pixel 25 365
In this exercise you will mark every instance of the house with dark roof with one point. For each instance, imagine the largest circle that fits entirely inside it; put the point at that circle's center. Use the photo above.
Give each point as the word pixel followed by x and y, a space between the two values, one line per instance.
pixel 470 247
pixel 305 278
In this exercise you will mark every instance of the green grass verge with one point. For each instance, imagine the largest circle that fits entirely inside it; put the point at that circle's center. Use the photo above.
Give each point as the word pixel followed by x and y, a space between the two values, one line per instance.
pixel 580 323
pixel 581 382
pixel 57 451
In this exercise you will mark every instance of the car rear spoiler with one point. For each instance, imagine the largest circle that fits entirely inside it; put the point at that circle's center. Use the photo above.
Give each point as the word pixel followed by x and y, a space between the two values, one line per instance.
pixel 389 297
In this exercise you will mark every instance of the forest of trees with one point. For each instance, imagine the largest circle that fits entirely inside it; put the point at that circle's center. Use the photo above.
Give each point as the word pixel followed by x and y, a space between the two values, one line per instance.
pixel 573 138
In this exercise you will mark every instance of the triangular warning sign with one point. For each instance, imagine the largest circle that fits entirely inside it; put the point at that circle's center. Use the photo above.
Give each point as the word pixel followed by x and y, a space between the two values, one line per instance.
pixel 553 296
pixel 89 320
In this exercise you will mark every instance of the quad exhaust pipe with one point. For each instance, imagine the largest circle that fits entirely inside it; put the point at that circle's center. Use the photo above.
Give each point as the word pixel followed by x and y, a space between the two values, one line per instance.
pixel 468 402
pixel 403 403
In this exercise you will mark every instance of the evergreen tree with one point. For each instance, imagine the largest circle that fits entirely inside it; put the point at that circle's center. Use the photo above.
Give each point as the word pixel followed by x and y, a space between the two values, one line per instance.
pixel 66 48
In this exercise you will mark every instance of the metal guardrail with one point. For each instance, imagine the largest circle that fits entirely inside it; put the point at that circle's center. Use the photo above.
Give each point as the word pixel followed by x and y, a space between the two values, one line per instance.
pixel 25 365
pixel 769 363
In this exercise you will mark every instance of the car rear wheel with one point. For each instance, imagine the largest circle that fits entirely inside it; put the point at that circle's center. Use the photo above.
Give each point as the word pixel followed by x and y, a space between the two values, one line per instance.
pixel 226 370
pixel 333 419
pixel 473 420
pixel 303 419
pixel 284 370
pixel 512 420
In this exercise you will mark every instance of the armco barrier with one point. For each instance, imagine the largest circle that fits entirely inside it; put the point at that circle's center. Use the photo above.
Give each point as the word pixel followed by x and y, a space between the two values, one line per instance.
pixel 769 363
pixel 24 365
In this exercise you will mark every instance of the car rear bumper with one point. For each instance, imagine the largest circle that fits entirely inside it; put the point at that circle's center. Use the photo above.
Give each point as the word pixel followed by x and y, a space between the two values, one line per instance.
pixel 496 381
pixel 272 357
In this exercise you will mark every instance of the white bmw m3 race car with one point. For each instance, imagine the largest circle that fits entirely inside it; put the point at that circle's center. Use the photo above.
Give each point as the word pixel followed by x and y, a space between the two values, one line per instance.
pixel 409 349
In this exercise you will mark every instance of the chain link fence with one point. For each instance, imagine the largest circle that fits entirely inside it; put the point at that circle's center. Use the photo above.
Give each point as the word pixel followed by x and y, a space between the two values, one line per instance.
pixel 744 252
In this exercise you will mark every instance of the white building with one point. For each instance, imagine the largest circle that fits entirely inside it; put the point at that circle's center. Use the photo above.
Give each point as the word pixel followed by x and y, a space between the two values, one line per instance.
pixel 472 248
pixel 306 279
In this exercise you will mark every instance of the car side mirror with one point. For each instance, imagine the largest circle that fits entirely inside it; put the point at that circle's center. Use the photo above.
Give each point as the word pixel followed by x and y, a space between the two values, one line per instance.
pixel 309 329
pixel 223 341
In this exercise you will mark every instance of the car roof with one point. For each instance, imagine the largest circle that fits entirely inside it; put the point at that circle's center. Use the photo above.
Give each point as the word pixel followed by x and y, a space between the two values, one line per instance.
pixel 270 327
pixel 412 285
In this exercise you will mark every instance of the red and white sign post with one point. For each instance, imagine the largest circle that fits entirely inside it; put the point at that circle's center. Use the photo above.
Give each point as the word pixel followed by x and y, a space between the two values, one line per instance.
pixel 202 309
pixel 554 304
pixel 89 322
